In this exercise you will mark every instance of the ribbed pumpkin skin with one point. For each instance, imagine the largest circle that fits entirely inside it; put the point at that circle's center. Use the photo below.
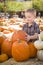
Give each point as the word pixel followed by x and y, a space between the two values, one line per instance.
pixel 40 55
pixel 6 47
pixel 18 35
pixel 33 50
pixel 38 44
pixel 3 57
pixel 2 38
pixel 20 51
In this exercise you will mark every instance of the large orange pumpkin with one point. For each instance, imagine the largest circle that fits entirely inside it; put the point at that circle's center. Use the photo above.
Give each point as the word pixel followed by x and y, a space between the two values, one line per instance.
pixel 33 50
pixel 19 35
pixel 20 51
pixel 6 47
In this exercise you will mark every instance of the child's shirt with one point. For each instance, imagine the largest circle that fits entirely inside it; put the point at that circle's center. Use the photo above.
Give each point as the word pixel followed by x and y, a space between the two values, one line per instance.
pixel 31 30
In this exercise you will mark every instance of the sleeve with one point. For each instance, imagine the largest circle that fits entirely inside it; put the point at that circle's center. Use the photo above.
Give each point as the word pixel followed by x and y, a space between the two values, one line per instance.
pixel 37 29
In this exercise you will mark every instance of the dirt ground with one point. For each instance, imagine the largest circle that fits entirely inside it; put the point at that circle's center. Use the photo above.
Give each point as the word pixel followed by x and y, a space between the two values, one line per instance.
pixel 33 61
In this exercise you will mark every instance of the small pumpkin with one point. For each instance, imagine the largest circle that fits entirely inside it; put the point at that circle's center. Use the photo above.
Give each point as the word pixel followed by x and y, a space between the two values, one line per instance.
pixel 6 47
pixel 11 30
pixel 40 54
pixel 3 57
pixel 12 20
pixel 19 35
pixel 33 50
pixel 20 50
pixel 6 32
pixel 2 20
pixel 38 44
pixel 2 29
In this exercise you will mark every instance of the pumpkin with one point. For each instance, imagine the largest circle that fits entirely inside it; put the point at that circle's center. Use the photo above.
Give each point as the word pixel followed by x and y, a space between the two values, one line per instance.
pixel 33 50
pixel 2 29
pixel 11 30
pixel 18 35
pixel 12 20
pixel 2 20
pixel 38 44
pixel 40 54
pixel 6 32
pixel 6 47
pixel 3 57
pixel 41 35
pixel 20 50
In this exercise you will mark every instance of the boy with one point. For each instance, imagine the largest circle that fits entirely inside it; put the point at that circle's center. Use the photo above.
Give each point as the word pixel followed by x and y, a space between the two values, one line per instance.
pixel 31 28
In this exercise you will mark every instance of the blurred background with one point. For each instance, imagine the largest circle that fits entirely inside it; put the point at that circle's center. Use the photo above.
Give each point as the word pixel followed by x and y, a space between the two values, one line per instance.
pixel 12 7
pixel 12 12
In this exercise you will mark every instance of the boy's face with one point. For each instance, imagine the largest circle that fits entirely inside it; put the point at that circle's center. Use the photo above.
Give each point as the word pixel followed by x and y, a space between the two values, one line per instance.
pixel 29 17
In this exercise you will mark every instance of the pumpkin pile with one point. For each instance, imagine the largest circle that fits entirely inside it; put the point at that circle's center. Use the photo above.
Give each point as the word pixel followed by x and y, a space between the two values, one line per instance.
pixel 3 57
pixel 39 46
pixel 16 47
pixel 21 50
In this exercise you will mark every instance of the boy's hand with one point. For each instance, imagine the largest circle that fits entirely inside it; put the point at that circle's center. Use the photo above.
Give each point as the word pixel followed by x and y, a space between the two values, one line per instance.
pixel 27 38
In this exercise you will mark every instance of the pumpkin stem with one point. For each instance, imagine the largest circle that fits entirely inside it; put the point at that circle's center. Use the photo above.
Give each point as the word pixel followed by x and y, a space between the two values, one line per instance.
pixel 19 40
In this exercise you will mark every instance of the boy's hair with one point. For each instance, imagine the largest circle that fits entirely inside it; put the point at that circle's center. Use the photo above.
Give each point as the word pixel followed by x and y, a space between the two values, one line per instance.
pixel 32 11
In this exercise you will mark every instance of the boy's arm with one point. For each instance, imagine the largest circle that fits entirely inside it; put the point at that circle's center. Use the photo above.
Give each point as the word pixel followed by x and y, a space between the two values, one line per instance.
pixel 35 36
pixel 37 31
